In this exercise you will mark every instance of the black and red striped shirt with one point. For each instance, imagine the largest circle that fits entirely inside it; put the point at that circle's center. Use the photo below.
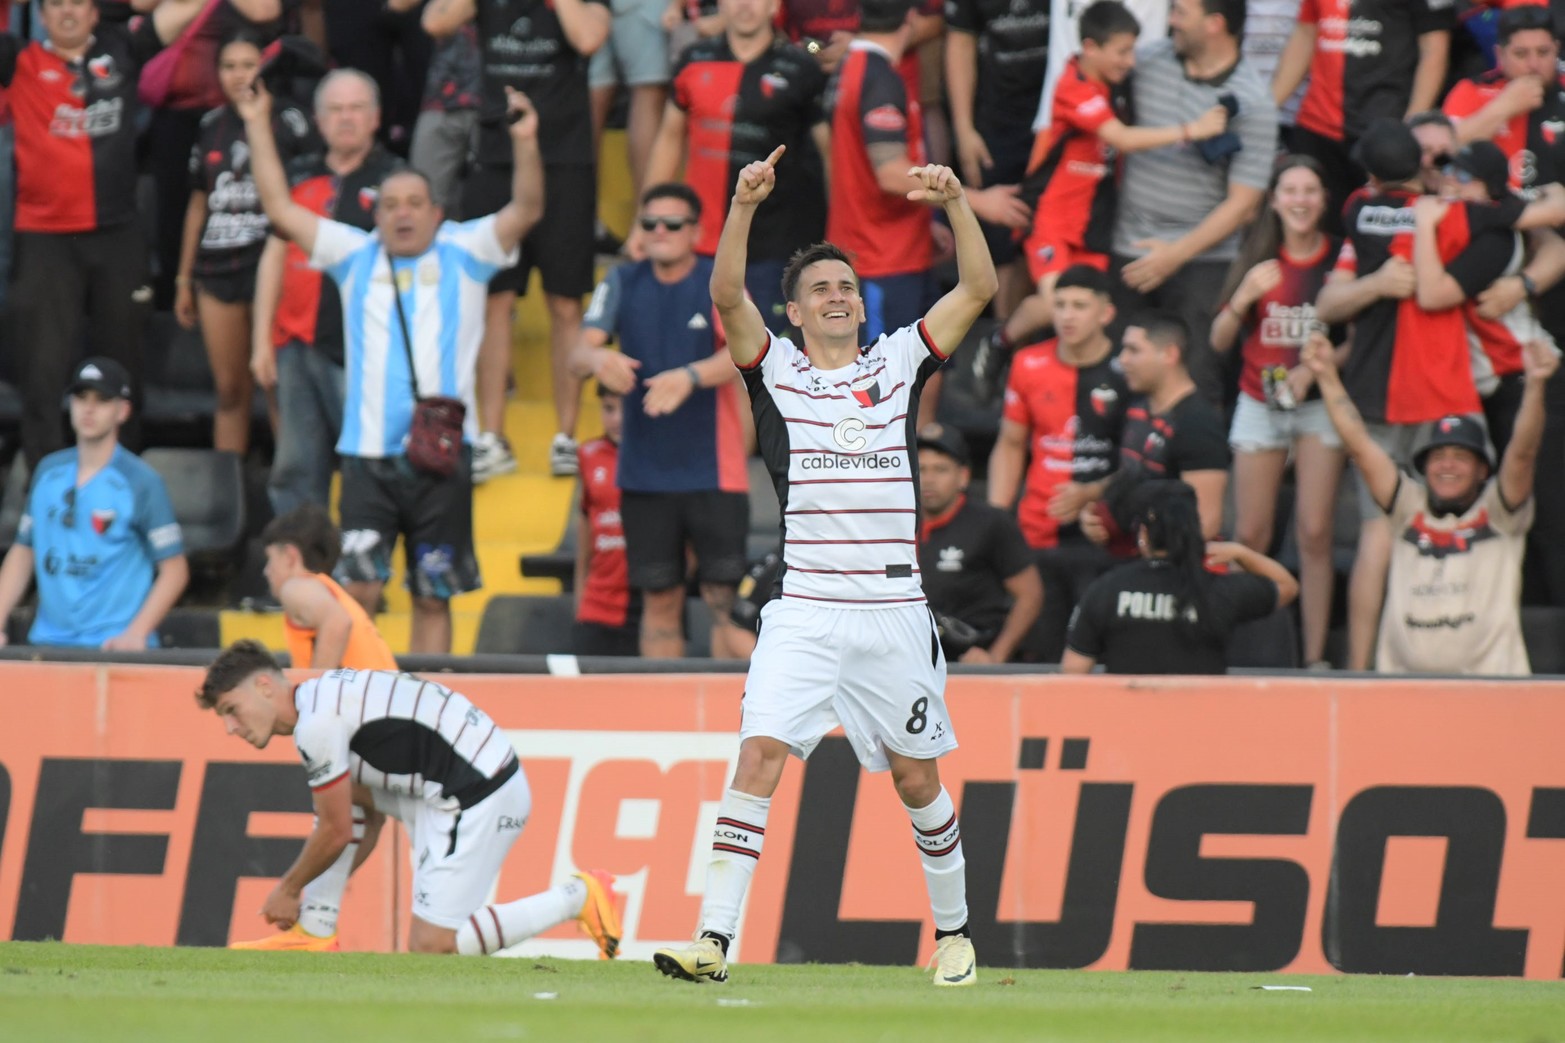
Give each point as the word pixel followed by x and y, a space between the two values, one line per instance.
pixel 736 114
pixel 1366 52
pixel 76 128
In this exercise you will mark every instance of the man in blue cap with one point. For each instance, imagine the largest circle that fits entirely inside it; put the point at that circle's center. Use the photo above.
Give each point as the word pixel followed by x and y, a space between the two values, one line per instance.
pixel 98 533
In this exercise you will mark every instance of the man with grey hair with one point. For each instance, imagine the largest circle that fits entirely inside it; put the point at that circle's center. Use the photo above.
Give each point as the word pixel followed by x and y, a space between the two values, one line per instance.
pixel 297 344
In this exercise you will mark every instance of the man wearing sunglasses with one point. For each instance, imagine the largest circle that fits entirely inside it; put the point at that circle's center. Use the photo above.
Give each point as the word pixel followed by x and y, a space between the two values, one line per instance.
pixel 98 533
pixel 682 475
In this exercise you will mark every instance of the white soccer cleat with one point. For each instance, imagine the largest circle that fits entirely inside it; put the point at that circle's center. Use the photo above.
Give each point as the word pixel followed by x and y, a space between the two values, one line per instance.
pixel 700 961
pixel 954 961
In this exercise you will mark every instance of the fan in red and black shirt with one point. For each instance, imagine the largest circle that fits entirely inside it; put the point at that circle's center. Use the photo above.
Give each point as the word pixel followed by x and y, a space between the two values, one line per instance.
pixel 1520 103
pixel 1065 406
pixel 608 612
pixel 735 98
pixel 877 134
pixel 1365 59
pixel 79 248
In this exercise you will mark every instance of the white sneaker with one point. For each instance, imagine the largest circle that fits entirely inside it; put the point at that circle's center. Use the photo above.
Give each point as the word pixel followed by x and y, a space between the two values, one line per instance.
pixel 562 456
pixel 700 961
pixel 954 961
pixel 492 457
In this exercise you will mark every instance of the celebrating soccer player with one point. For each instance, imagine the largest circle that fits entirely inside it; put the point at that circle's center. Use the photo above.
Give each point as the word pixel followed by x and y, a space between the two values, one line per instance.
pixel 848 638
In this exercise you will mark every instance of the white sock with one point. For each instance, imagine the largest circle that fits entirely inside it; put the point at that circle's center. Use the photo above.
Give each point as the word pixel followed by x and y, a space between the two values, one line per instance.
pixel 495 927
pixel 320 901
pixel 939 839
pixel 736 847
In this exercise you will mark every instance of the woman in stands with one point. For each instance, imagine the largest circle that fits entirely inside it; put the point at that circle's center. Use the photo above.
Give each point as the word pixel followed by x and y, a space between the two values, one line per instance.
pixel 1268 307
pixel 1167 613
pixel 225 230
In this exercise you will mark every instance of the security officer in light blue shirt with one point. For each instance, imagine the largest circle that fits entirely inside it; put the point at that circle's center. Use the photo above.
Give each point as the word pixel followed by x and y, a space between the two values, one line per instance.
pixel 98 534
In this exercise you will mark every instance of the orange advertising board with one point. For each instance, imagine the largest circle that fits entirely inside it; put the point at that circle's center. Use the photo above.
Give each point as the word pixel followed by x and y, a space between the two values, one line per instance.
pixel 1215 823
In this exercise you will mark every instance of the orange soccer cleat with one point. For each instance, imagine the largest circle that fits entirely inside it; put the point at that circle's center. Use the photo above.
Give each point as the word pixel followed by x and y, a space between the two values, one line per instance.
pixel 294 939
pixel 598 916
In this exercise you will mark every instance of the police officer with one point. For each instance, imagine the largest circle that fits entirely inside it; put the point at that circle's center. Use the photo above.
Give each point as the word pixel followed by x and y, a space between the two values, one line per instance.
pixel 1167 614
pixel 975 566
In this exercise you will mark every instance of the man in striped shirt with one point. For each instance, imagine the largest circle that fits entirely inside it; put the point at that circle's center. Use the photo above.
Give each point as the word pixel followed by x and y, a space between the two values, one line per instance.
pixel 435 318
pixel 850 640
pixel 398 745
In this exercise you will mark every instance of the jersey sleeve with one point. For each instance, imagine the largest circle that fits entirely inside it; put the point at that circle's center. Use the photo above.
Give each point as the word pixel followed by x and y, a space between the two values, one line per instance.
pixel 963 16
pixel 1089 622
pixel 1200 444
pixel 1012 556
pixel 1511 521
pixel 1482 261
pixel 478 240
pixel 1078 105
pixel 155 519
pixel 1347 257
pixel 322 741
pixel 1309 12
pixel 1463 101
pixel 1432 16
pixel 1016 409
pixel 603 309
pixel 335 242
pixel 883 107
pixel 1246 597
pixel 1410 498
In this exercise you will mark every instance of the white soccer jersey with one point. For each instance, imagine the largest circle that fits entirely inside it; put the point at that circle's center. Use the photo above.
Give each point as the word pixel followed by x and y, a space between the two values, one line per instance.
pixel 841 447
pixel 401 734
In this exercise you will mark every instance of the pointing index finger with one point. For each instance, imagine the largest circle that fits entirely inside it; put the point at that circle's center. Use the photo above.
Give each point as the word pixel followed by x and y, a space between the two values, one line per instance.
pixel 777 152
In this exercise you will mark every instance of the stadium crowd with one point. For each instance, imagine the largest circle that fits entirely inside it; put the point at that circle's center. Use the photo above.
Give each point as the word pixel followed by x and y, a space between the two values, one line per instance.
pixel 1240 245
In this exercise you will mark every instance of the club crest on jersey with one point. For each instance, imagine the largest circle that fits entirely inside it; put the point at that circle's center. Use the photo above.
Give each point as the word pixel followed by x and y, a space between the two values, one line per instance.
pixel 866 391
pixel 1552 130
pixel 101 520
pixel 368 197
pixel 771 83
pixel 1103 400
pixel 103 70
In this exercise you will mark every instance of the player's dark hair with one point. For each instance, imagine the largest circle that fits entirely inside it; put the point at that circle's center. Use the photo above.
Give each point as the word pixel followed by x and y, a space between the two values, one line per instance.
pixel 1165 329
pixel 310 529
pixel 1172 519
pixel 674 190
pixel 1263 242
pixel 809 255
pixel 1085 277
pixel 1107 19
pixel 883 16
pixel 1232 12
pixel 235 665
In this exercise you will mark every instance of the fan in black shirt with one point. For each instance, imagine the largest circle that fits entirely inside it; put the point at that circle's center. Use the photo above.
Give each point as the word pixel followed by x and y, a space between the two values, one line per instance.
pixel 1166 614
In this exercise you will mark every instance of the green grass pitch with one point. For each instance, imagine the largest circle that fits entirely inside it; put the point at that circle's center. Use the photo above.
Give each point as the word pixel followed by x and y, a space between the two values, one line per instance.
pixel 52 992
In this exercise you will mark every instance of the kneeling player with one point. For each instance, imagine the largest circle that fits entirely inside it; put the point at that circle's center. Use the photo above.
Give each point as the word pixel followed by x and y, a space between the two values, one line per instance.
pixel 429 758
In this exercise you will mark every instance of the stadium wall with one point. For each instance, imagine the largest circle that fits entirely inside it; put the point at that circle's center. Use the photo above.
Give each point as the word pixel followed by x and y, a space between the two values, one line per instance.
pixel 1212 824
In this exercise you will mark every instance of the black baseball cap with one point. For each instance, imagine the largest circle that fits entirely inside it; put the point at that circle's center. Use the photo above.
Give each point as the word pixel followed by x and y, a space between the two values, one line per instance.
pixel 944 439
pixel 1487 164
pixel 1465 432
pixel 1388 151
pixel 102 375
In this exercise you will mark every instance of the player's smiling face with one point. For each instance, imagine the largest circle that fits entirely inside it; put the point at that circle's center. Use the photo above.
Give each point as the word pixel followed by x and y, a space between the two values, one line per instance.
pixel 247 712
pixel 827 303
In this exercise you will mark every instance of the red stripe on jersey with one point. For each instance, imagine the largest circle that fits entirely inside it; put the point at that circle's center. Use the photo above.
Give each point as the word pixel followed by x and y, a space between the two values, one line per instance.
pixel 845 481
pixel 328 784
pixel 858 510
pixel 863 376
pixel 888 449
pixel 755 362
pixel 829 423
pixel 806 394
pixel 843 572
pixel 856 601
pixel 929 342
pixel 846 543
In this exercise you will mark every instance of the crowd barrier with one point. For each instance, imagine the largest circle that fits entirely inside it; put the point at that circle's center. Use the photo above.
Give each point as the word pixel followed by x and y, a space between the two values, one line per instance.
pixel 1240 824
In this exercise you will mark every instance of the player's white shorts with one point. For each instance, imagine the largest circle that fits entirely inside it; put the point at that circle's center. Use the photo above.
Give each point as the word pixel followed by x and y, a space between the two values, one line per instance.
pixel 457 854
pixel 878 672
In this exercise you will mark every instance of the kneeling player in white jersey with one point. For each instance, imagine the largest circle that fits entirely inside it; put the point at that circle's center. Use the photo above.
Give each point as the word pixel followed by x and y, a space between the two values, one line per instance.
pixel 426 756
pixel 850 639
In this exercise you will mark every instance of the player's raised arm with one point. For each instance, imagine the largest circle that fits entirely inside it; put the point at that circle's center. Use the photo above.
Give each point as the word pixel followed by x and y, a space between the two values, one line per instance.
pixel 951 317
pixel 741 319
